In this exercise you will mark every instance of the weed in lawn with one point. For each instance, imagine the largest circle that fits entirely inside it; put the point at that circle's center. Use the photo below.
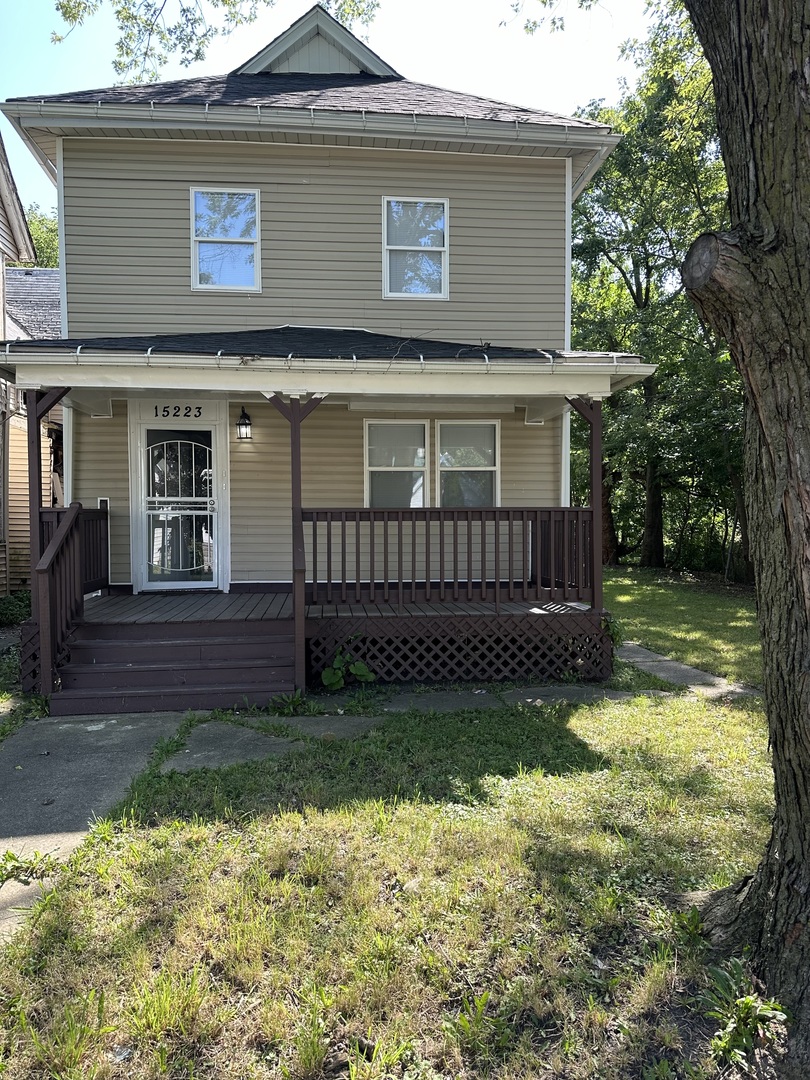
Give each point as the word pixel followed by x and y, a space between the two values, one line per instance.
pixel 478 1028
pixel 170 1005
pixel 632 680
pixel 311 1038
pixel 63 1046
pixel 25 869
pixel 748 1020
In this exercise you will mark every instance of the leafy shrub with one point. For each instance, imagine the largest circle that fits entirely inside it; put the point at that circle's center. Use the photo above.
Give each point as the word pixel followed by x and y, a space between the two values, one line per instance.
pixel 15 609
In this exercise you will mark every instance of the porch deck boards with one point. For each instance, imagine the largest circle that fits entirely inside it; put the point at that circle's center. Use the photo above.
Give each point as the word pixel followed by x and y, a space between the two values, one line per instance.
pixel 179 607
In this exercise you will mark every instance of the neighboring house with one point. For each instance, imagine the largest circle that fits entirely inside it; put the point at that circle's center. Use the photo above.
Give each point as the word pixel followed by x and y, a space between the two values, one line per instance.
pixel 33 310
pixel 16 246
pixel 318 376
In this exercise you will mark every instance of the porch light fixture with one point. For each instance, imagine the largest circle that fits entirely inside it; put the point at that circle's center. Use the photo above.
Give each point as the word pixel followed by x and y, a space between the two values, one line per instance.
pixel 244 427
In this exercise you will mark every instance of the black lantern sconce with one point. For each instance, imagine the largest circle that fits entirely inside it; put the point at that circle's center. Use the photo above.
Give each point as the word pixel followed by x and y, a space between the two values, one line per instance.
pixel 244 427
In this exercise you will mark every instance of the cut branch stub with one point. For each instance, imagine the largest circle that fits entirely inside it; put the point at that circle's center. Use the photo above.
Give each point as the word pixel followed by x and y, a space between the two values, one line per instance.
pixel 700 262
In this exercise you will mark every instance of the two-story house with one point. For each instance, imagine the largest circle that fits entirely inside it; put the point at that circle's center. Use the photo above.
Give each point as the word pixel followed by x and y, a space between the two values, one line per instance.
pixel 317 380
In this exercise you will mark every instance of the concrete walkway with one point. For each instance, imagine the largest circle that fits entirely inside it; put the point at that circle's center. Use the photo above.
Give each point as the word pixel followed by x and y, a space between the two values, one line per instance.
pixel 58 775
pixel 698 682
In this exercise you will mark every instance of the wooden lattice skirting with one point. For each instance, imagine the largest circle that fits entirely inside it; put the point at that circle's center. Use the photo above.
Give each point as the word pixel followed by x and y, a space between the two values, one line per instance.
pixel 478 648
pixel 29 657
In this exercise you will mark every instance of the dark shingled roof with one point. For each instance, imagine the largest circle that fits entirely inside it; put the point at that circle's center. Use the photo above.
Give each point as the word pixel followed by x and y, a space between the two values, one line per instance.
pixel 310 342
pixel 340 93
pixel 33 301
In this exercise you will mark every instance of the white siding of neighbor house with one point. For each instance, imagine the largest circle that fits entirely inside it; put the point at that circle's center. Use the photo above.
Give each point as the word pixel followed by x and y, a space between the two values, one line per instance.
pixel 101 470
pixel 127 224
pixel 8 245
pixel 333 462
pixel 17 528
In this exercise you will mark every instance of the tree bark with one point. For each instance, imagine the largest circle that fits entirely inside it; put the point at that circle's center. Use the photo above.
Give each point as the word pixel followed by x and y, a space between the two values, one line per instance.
pixel 652 544
pixel 752 286
pixel 610 538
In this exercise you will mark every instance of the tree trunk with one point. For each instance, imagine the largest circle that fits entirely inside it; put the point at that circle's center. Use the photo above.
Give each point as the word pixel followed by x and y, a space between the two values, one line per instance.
pixel 652 544
pixel 752 286
pixel 610 539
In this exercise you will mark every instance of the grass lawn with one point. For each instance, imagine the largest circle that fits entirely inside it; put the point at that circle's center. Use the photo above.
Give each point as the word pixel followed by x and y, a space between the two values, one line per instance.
pixel 707 625
pixel 484 894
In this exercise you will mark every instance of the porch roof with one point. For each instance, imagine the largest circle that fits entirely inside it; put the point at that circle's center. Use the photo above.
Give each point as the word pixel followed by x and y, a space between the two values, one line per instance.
pixel 307 343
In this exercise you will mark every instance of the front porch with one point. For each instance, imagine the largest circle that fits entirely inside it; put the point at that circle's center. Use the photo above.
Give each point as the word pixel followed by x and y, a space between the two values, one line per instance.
pixel 474 595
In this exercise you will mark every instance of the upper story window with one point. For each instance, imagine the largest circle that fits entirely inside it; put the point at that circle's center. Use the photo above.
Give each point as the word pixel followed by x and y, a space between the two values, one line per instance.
pixel 225 239
pixel 415 249
pixel 468 462
pixel 396 464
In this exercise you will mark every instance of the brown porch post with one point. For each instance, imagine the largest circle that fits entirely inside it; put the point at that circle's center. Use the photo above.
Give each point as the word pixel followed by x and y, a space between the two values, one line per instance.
pixel 299 558
pixel 593 414
pixel 32 399
pixel 295 414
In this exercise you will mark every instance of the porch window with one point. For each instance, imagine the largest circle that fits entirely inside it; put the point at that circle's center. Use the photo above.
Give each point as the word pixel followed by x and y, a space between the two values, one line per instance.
pixel 415 249
pixel 396 464
pixel 468 463
pixel 225 239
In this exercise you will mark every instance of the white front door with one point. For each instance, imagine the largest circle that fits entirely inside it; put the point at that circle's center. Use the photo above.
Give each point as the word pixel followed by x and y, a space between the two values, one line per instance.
pixel 179 505
pixel 180 510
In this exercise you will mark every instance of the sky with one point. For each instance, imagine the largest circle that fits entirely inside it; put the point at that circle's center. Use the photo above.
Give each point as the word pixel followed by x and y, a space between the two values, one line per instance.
pixel 477 46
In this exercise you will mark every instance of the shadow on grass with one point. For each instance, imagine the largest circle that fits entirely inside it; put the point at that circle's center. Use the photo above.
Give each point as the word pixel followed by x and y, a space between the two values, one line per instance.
pixel 429 756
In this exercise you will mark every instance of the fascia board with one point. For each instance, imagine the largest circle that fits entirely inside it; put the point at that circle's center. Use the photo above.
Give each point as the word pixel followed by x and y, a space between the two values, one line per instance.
pixel 319 121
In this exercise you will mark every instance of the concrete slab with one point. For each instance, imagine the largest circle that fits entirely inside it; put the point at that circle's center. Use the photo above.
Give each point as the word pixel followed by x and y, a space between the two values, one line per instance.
pixel 57 775
pixel 216 744
pixel 333 726
pixel 538 695
pixel 442 701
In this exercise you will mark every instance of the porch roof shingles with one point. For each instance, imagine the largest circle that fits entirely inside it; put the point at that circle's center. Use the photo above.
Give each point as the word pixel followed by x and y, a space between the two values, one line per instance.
pixel 338 92
pixel 297 342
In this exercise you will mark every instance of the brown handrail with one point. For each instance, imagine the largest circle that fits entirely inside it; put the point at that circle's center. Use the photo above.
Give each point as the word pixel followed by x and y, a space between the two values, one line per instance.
pixel 94 542
pixel 58 581
pixel 489 554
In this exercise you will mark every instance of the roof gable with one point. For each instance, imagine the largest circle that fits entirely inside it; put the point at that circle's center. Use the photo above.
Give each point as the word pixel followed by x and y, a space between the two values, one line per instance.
pixel 318 45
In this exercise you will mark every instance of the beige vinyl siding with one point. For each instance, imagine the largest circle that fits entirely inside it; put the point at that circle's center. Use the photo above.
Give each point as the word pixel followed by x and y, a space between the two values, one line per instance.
pixel 318 57
pixel 101 470
pixel 127 224
pixel 332 465
pixel 18 531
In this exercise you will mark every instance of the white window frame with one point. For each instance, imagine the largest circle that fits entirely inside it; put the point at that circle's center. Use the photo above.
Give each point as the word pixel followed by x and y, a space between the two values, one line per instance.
pixel 443 251
pixel 368 469
pixel 496 468
pixel 196 285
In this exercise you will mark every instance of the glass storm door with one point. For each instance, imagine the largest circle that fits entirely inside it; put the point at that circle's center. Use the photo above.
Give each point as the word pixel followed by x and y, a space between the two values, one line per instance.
pixel 181 509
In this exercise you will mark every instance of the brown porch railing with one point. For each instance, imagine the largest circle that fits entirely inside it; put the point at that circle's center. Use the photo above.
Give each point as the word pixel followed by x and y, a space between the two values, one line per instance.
pixel 484 554
pixel 60 594
pixel 94 542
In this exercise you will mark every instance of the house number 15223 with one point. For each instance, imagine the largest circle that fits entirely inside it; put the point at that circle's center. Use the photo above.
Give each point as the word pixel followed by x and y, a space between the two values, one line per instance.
pixel 193 411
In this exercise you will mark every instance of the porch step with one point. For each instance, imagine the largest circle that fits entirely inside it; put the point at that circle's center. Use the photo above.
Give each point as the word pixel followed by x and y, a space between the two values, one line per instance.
pixel 125 676
pixel 120 667
pixel 156 699
pixel 148 631
pixel 179 650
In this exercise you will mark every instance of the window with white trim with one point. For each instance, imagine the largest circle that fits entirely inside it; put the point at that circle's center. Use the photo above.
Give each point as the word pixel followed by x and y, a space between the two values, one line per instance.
pixel 468 463
pixel 396 464
pixel 225 239
pixel 415 249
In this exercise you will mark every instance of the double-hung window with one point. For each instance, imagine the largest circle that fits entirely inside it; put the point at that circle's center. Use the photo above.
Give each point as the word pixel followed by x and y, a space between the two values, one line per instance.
pixel 468 462
pixel 396 464
pixel 415 249
pixel 225 239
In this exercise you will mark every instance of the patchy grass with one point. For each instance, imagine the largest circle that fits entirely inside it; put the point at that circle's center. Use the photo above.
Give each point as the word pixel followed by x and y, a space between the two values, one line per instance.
pixel 483 894
pixel 16 707
pixel 707 625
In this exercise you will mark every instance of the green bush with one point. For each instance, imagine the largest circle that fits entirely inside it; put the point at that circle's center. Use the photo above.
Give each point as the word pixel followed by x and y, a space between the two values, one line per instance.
pixel 15 609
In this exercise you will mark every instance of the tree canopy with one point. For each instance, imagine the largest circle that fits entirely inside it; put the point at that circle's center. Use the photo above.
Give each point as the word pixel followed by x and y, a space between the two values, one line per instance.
pixel 151 30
